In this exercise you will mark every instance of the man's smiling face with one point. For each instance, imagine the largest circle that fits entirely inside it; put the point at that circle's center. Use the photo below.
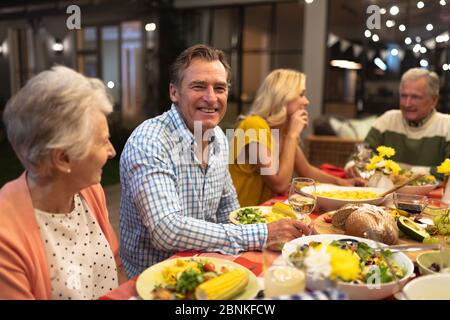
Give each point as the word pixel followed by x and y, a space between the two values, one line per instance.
pixel 202 93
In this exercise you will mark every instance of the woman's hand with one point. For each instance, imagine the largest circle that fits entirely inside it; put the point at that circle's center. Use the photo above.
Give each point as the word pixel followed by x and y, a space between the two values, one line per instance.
pixel 359 182
pixel 297 122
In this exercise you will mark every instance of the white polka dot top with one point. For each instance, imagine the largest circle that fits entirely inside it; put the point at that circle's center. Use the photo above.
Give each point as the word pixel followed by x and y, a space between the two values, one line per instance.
pixel 80 260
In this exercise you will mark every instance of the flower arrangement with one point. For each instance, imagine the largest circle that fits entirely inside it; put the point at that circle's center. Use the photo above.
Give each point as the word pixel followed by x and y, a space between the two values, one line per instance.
pixel 333 262
pixel 444 168
pixel 381 162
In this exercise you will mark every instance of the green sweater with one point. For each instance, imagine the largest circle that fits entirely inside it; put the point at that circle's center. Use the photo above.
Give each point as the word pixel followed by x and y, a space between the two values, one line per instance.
pixel 427 145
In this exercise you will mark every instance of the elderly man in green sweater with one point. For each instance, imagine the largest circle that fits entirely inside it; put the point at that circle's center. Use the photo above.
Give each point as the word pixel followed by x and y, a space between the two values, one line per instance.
pixel 419 134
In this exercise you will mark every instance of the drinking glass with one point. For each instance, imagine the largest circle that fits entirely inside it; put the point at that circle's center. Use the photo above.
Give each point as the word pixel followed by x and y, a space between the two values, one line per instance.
pixel 302 196
pixel 280 278
pixel 362 156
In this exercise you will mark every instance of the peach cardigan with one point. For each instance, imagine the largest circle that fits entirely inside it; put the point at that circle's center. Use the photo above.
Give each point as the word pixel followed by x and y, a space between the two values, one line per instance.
pixel 23 264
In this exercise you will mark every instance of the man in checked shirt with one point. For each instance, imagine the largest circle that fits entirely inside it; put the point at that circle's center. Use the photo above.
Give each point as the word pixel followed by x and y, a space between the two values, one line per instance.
pixel 176 189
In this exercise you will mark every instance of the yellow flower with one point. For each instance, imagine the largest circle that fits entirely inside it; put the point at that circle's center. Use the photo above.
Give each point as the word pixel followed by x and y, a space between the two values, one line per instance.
pixel 344 264
pixel 373 163
pixel 392 166
pixel 386 151
pixel 444 167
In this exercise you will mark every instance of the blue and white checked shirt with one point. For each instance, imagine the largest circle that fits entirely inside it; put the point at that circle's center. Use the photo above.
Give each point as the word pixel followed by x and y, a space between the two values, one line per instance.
pixel 170 203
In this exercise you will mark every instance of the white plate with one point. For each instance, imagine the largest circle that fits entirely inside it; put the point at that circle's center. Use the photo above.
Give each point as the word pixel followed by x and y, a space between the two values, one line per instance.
pixel 421 190
pixel 264 209
pixel 153 276
pixel 353 291
pixel 329 204
pixel 233 214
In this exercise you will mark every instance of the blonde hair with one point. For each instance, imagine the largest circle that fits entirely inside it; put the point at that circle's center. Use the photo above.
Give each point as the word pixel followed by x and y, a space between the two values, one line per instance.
pixel 272 97
pixel 54 110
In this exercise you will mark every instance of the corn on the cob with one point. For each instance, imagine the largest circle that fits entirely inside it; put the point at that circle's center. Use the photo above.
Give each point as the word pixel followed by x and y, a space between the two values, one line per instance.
pixel 224 286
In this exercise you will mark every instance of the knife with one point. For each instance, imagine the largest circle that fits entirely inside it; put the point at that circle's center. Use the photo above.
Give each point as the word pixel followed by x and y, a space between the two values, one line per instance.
pixel 410 247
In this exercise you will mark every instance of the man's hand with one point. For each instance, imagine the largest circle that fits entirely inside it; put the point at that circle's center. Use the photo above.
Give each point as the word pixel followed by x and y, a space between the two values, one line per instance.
pixel 285 230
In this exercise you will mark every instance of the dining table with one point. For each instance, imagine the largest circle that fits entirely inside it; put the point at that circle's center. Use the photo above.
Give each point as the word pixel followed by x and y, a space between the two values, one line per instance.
pixel 252 260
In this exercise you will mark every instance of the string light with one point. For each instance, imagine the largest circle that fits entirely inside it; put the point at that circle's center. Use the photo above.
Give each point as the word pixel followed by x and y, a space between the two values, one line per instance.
pixel 420 4
pixel 375 38
pixel 367 33
pixel 394 10
pixel 429 27
pixel 408 40
pixel 402 27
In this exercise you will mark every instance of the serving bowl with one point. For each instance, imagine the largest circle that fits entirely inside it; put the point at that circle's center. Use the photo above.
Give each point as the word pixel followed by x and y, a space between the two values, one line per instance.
pixel 421 190
pixel 354 291
pixel 429 287
pixel 426 259
pixel 328 203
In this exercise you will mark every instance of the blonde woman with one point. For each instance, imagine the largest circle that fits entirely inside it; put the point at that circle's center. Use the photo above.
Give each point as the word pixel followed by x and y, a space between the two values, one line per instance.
pixel 55 238
pixel 266 150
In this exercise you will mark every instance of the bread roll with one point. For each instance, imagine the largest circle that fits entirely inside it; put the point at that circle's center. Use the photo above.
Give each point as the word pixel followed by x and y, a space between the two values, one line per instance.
pixel 373 223
pixel 341 215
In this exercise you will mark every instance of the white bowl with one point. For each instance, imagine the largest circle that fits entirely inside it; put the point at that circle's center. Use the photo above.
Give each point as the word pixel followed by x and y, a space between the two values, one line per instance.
pixel 421 190
pixel 329 204
pixel 429 287
pixel 354 291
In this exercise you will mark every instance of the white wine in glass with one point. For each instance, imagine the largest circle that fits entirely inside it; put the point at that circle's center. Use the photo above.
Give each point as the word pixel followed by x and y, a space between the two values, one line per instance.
pixel 302 197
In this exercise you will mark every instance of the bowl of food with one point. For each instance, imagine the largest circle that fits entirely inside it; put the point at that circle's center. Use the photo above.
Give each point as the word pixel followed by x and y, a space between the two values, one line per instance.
pixel 433 262
pixel 357 266
pixel 429 287
pixel 197 278
pixel 331 197
pixel 421 186
pixel 436 207
pixel 264 214
pixel 412 203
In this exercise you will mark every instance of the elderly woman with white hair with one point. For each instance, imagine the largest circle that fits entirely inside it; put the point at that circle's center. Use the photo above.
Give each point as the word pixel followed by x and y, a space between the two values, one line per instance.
pixel 55 238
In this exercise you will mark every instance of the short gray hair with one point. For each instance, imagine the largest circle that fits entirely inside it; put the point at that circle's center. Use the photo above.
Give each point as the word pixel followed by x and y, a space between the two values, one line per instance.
pixel 54 110
pixel 418 73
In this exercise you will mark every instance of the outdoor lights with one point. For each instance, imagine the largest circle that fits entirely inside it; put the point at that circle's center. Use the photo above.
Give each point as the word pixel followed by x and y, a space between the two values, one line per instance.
pixel 418 39
pixel 346 64
pixel 150 27
pixel 429 27
pixel 375 38
pixel 390 23
pixel 423 63
pixel 394 10
pixel 442 2
pixel 423 50
pixel 383 11
pixel 367 33
pixel 445 67
pixel 420 4
pixel 402 27
pixel 394 52
pixel 408 41
pixel 380 64
pixel 443 37
pixel 57 47
pixel 110 84
pixel 309 1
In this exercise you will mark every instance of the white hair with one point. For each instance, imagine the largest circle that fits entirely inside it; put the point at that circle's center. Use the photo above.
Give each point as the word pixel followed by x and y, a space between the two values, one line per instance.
pixel 418 73
pixel 54 110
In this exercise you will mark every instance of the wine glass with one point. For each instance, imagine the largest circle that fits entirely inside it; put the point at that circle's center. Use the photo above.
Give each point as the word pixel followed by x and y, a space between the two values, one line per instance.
pixel 302 196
